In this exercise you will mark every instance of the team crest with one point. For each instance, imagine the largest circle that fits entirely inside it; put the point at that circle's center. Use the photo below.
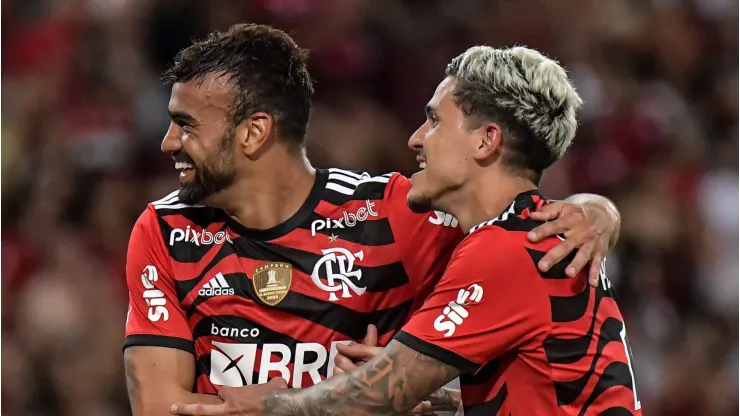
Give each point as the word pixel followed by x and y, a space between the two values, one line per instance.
pixel 272 282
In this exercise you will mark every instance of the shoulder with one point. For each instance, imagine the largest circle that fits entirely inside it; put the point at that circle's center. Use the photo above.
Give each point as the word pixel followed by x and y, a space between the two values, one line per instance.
pixel 348 185
pixel 494 250
pixel 167 213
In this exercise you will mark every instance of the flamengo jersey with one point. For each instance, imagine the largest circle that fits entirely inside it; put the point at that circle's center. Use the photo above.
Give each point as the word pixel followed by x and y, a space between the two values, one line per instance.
pixel 528 343
pixel 256 304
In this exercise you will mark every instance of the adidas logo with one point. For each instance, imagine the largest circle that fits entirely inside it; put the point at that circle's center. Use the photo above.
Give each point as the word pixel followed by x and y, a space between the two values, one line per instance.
pixel 217 286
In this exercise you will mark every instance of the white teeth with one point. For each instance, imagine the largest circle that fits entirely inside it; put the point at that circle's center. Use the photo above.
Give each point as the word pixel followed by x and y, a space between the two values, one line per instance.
pixel 183 165
pixel 423 165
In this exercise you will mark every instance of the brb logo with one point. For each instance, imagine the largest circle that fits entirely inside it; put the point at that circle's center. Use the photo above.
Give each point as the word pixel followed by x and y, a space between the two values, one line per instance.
pixel 337 267
pixel 198 238
pixel 154 297
pixel 233 364
pixel 346 220
pixel 455 313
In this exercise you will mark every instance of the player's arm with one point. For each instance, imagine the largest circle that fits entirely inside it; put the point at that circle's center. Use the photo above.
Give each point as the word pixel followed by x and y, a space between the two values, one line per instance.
pixel 590 224
pixel 158 350
pixel 392 383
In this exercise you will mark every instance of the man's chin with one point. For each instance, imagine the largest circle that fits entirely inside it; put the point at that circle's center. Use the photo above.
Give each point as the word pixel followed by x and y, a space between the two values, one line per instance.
pixel 419 204
pixel 192 194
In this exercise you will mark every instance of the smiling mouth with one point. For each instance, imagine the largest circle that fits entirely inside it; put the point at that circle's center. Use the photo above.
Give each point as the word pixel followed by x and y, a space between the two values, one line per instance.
pixel 185 169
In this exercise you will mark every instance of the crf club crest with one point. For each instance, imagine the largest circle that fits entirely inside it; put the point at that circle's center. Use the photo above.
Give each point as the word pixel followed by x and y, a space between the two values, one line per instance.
pixel 272 282
pixel 337 267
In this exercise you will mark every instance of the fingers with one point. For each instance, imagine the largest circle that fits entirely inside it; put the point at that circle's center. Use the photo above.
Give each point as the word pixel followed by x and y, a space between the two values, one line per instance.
pixel 583 256
pixel 548 212
pixel 566 217
pixel 556 254
pixel 422 408
pixel 358 352
pixel 198 409
pixel 343 364
pixel 278 383
pixel 371 338
pixel 594 273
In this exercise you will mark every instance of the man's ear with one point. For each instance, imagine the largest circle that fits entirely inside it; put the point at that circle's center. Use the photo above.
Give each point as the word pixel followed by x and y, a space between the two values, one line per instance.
pixel 488 143
pixel 253 132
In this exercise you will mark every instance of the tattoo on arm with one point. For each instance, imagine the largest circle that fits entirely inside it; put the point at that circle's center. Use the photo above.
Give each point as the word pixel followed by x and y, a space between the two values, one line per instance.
pixel 445 400
pixel 392 383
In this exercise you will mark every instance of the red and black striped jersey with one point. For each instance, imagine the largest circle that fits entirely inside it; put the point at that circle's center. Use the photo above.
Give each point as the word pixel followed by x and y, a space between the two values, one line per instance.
pixel 256 304
pixel 528 343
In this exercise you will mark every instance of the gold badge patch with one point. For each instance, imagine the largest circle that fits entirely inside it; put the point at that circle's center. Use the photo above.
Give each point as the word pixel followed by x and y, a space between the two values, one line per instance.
pixel 272 282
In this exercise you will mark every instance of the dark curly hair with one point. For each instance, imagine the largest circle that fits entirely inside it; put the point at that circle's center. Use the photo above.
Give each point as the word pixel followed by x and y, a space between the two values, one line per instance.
pixel 267 68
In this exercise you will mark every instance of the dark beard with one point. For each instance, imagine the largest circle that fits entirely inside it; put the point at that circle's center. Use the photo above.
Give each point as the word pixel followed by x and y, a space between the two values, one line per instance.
pixel 420 205
pixel 214 175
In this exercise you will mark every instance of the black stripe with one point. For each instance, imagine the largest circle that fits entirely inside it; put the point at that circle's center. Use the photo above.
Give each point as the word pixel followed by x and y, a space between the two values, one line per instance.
pixel 366 190
pixel 489 408
pixel 185 286
pixel 568 391
pixel 557 271
pixel 342 319
pixel 438 353
pixel 371 232
pixel 616 373
pixel 570 308
pixel 485 374
pixel 200 216
pixel 374 279
pixel 145 340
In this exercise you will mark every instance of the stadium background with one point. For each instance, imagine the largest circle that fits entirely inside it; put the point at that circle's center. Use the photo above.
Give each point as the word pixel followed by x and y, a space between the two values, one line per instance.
pixel 83 113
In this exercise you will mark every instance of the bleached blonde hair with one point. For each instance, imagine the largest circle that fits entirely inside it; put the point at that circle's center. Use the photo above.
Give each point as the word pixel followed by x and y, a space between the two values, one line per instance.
pixel 524 90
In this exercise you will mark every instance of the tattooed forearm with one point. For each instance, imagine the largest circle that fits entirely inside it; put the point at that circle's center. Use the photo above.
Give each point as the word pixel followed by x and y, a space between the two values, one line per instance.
pixel 392 383
pixel 445 400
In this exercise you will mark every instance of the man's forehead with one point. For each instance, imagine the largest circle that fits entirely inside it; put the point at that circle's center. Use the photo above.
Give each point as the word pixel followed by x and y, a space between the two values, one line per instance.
pixel 443 94
pixel 213 92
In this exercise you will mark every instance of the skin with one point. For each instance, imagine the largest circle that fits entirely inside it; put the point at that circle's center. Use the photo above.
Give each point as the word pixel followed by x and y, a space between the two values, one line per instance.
pixel 463 176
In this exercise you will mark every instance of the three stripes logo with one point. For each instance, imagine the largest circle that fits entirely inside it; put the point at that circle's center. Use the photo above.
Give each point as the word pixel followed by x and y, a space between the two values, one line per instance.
pixel 217 286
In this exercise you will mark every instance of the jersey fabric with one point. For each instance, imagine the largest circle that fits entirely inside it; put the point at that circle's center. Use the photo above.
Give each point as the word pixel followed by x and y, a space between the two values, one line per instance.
pixel 527 343
pixel 256 304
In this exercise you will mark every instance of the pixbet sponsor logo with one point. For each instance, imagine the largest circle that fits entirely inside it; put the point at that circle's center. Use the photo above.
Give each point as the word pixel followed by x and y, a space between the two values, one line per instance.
pixel 198 238
pixel 346 220
pixel 233 365
pixel 455 313
pixel 154 297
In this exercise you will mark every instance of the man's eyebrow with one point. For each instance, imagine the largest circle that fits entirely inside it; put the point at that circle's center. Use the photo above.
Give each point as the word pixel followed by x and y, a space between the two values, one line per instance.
pixel 182 117
pixel 430 111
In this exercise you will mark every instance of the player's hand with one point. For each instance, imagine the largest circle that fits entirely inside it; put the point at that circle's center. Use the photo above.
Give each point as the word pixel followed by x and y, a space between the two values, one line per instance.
pixel 586 227
pixel 343 364
pixel 241 401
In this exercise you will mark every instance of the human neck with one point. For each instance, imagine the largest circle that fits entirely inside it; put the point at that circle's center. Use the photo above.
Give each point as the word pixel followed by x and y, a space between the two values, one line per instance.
pixel 485 198
pixel 270 193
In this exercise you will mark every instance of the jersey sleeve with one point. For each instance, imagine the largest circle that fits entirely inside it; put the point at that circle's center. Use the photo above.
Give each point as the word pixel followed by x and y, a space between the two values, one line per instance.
pixel 485 305
pixel 426 241
pixel 155 317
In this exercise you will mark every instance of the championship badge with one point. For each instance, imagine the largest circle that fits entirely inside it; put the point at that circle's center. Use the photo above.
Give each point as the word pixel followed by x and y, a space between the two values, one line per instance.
pixel 272 282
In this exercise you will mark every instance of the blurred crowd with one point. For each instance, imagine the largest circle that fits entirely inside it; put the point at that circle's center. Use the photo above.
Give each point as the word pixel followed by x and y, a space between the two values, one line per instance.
pixel 83 112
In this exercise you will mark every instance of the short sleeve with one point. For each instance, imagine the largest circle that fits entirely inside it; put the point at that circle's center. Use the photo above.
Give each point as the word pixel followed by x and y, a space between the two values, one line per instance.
pixel 426 241
pixel 485 305
pixel 155 317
